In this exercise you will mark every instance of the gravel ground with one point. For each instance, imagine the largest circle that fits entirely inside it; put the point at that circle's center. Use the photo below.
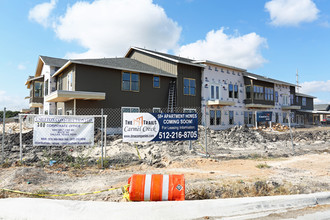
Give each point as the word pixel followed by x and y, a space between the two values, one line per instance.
pixel 241 162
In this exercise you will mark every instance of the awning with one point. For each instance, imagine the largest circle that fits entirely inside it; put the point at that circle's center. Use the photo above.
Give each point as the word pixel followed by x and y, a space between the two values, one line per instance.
pixel 64 96
pixel 218 102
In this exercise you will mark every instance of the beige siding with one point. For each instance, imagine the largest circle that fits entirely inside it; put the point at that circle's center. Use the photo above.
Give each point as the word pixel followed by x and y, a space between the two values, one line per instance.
pixel 159 63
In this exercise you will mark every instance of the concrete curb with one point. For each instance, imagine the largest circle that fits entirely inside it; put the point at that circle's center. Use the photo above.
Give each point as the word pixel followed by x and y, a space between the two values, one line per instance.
pixel 29 208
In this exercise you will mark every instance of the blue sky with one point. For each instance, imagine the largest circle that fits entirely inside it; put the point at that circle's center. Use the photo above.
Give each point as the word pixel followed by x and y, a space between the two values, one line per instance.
pixel 272 38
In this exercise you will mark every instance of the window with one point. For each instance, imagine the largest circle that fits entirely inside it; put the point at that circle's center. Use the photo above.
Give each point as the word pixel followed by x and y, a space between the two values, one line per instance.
pixel 248 118
pixel 60 83
pixel 269 93
pixel 189 86
pixel 285 120
pixel 156 110
pixel 258 92
pixel 248 92
pixel 156 82
pixel 215 117
pixel 231 117
pixel 297 100
pixel 130 82
pixel 189 110
pixel 230 91
pixel 69 112
pixel 276 96
pixel 236 91
pixel 59 111
pixel 285 100
pixel 217 92
pixel 69 82
pixel 303 101
pixel 214 91
pixel 38 89
pixel 291 99
pixel 46 112
pixel 46 87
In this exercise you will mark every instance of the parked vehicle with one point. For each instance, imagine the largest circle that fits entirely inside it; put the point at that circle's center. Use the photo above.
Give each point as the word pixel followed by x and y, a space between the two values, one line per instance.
pixel 326 121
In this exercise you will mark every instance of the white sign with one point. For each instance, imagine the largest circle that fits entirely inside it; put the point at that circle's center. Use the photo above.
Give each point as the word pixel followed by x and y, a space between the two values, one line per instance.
pixel 63 130
pixel 139 127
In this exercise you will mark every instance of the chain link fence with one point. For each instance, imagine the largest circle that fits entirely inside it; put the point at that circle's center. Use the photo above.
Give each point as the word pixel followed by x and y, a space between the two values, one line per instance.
pixel 17 140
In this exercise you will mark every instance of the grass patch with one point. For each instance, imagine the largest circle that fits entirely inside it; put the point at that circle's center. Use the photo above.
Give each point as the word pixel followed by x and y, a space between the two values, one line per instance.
pixel 237 189
pixel 263 166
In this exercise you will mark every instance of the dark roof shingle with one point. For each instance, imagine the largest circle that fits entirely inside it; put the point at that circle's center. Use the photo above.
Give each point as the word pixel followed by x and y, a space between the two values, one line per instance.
pixel 52 61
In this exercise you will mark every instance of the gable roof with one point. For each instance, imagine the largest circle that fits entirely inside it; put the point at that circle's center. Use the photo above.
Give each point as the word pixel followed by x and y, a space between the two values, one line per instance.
pixel 52 61
pixel 120 64
pixel 305 95
pixel 322 107
pixel 266 79
pixel 173 58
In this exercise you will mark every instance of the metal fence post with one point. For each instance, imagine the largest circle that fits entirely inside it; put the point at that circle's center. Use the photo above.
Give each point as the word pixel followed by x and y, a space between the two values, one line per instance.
pixel 20 138
pixel 102 137
pixel 105 136
pixel 205 133
pixel 289 118
pixel 3 135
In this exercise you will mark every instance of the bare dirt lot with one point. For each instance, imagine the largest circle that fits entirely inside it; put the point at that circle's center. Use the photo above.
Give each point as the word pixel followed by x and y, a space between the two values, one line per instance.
pixel 242 162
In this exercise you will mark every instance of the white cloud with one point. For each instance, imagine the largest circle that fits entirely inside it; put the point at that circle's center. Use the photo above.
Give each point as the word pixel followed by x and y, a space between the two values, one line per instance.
pixel 315 86
pixel 21 66
pixel 109 27
pixel 12 102
pixel 291 12
pixel 325 24
pixel 319 101
pixel 41 12
pixel 241 51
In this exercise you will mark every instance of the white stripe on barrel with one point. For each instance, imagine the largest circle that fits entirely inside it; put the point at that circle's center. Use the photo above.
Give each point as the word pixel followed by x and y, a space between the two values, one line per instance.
pixel 166 181
pixel 147 187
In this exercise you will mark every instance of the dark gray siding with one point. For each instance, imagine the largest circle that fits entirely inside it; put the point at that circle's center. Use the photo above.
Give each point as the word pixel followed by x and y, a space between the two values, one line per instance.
pixel 293 92
pixel 97 79
pixel 252 82
pixel 193 72
pixel 309 103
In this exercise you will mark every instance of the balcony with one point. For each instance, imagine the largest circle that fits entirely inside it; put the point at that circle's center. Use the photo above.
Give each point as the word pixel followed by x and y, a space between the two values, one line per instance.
pixel 218 102
pixel 64 96
pixel 36 102
pixel 290 107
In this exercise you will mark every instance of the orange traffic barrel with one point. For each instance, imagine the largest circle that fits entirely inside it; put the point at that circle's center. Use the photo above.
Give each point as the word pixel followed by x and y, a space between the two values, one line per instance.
pixel 156 187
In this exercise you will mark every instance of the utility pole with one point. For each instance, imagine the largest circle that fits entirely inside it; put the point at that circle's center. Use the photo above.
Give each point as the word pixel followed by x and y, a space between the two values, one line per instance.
pixel 297 80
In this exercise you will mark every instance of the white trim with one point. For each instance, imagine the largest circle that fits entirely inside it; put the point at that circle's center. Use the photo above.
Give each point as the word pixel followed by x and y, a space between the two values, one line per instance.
pixel 147 187
pixel 166 182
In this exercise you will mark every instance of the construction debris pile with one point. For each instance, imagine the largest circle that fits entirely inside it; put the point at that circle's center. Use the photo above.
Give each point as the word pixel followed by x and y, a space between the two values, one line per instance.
pixel 236 142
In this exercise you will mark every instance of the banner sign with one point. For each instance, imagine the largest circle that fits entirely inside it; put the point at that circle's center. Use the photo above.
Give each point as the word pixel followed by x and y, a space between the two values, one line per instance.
pixel 138 127
pixel 63 130
pixel 264 116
